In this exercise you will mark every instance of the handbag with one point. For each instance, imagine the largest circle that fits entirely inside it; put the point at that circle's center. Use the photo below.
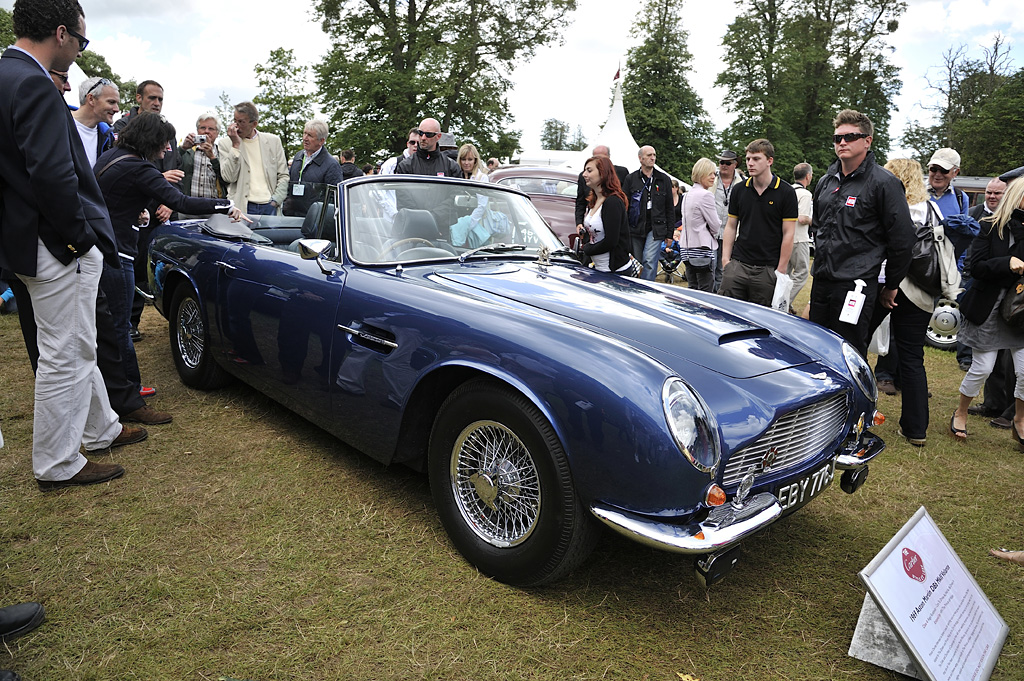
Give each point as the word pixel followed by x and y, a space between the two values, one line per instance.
pixel 924 264
pixel 699 263
pixel 1012 307
pixel 632 268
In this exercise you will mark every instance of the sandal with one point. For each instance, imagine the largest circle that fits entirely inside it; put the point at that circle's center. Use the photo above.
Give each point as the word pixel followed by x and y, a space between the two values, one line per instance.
pixel 1016 435
pixel 958 433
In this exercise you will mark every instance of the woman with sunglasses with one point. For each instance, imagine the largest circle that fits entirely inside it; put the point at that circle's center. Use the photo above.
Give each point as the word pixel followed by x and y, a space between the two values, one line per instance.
pixel 996 264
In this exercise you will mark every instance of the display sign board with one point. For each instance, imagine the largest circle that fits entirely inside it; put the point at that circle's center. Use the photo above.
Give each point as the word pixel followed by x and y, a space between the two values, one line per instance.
pixel 936 609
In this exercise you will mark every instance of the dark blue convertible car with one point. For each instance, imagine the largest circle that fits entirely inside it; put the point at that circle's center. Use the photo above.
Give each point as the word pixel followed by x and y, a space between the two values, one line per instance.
pixel 440 324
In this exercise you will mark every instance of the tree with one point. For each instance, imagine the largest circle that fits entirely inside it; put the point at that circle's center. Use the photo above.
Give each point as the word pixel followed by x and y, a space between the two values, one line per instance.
pixel 95 65
pixel 793 65
pixel 7 36
pixel 395 63
pixel 661 108
pixel 285 102
pixel 554 135
pixel 989 144
pixel 225 111
pixel 964 86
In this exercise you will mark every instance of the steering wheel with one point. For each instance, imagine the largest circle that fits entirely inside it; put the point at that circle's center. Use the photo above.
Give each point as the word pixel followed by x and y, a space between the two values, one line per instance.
pixel 403 242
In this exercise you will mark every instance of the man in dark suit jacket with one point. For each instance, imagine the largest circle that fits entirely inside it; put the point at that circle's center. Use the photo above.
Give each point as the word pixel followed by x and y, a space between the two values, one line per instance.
pixel 582 190
pixel 54 235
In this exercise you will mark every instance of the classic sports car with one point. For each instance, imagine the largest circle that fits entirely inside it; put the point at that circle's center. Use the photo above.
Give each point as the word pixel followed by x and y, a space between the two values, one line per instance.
pixel 440 324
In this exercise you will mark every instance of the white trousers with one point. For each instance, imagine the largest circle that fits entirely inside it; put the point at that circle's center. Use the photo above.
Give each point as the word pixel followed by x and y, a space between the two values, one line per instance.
pixel 982 364
pixel 71 406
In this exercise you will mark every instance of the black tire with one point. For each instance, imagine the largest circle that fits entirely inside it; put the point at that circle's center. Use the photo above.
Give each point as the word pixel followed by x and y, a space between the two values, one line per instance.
pixel 190 343
pixel 516 516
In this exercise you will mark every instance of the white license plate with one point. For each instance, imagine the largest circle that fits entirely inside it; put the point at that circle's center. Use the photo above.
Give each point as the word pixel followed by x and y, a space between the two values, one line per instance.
pixel 806 488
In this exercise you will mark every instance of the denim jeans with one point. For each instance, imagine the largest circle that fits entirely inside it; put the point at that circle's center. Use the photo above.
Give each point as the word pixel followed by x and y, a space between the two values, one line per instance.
pixel 652 251
pixel 260 209
pixel 119 287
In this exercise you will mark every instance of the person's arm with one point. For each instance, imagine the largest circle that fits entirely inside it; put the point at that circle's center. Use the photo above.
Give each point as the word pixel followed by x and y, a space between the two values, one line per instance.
pixel 805 208
pixel 707 209
pixel 281 167
pixel 45 142
pixel 728 238
pixel 230 159
pixel 153 184
pixel 786 249
pixel 333 175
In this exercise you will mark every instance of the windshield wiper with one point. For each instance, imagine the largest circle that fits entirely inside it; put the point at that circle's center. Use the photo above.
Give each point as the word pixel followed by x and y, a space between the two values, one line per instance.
pixel 493 248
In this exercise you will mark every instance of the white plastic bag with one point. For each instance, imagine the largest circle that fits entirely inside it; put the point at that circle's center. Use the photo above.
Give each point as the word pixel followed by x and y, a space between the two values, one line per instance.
pixel 880 339
pixel 780 299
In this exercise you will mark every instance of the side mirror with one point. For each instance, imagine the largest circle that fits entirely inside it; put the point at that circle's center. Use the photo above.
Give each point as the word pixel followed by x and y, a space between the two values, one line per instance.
pixel 316 249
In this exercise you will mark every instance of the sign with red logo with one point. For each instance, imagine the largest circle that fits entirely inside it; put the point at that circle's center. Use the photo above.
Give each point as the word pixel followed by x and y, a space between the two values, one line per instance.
pixel 850 201
pixel 913 565
pixel 924 614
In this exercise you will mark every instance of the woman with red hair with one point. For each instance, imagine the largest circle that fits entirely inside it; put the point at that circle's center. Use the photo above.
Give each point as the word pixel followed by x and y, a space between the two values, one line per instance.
pixel 605 232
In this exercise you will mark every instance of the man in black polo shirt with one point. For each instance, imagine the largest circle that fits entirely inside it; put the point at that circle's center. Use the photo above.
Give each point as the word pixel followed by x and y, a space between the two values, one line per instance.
pixel 758 238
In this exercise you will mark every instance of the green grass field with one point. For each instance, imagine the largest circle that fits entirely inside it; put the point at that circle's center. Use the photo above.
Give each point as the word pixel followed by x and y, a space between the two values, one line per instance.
pixel 246 543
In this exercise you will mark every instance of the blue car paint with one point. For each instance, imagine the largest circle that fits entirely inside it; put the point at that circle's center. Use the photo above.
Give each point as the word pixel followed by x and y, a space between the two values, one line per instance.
pixel 550 332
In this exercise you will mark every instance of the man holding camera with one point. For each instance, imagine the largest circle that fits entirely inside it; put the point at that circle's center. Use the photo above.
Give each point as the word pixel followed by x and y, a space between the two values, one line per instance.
pixel 200 162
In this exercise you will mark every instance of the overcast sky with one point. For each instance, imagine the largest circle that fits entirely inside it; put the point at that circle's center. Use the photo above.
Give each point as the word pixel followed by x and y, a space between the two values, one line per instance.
pixel 198 49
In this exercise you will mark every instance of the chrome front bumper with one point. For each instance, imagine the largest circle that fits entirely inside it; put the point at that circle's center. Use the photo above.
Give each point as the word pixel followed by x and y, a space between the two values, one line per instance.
pixel 858 456
pixel 725 526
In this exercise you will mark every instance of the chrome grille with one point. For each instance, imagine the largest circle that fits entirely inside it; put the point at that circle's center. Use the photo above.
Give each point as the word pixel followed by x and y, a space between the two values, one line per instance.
pixel 797 436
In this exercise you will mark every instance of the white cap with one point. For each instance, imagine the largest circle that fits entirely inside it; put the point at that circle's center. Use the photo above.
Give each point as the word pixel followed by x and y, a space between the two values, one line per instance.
pixel 945 157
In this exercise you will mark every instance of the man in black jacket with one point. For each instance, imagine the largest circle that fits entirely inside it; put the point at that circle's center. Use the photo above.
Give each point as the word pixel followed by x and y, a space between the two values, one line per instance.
pixel 348 164
pixel 428 160
pixel 651 212
pixel 860 218
pixel 55 235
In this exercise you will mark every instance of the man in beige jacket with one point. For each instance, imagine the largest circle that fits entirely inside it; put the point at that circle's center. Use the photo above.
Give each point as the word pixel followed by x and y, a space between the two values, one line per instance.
pixel 258 192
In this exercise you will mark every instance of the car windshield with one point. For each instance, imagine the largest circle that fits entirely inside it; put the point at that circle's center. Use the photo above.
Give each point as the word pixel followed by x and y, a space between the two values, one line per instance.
pixel 396 221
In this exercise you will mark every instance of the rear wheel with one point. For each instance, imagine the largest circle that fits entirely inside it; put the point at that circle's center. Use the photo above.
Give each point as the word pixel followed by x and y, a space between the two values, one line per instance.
pixel 190 343
pixel 501 483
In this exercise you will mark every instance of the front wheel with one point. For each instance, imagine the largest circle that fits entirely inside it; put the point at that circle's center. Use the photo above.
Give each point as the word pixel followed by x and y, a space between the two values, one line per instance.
pixel 501 483
pixel 190 343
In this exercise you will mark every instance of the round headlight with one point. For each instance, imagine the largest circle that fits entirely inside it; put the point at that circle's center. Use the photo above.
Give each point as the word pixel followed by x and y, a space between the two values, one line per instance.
pixel 692 425
pixel 862 375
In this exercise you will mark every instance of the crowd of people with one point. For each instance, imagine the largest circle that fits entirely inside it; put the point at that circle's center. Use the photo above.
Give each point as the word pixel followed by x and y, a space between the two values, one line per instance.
pixel 82 193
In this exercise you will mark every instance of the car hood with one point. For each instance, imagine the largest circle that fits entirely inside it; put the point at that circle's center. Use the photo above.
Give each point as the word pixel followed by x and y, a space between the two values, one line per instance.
pixel 643 316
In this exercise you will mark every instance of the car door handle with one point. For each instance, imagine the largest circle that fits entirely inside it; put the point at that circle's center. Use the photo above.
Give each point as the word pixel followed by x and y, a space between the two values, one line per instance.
pixel 369 337
pixel 225 266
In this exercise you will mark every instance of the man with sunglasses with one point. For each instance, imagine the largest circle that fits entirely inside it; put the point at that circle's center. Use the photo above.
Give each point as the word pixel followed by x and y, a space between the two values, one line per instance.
pixel 727 175
pixel 98 99
pixel 412 143
pixel 860 218
pixel 428 159
pixel 55 234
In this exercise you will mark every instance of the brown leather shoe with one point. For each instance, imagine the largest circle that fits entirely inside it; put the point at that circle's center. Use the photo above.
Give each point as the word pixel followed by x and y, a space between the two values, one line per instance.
pixel 92 474
pixel 886 386
pixel 1001 423
pixel 147 415
pixel 129 435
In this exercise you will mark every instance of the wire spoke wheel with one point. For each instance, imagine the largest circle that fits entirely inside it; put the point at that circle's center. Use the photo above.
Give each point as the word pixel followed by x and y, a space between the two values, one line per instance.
pixel 495 483
pixel 190 333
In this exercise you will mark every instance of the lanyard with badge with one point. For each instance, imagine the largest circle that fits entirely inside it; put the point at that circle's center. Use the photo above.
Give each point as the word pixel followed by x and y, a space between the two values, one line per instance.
pixel 647 188
pixel 299 189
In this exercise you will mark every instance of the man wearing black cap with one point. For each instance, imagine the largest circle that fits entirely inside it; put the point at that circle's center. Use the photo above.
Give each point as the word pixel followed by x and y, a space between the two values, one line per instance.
pixel 728 174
